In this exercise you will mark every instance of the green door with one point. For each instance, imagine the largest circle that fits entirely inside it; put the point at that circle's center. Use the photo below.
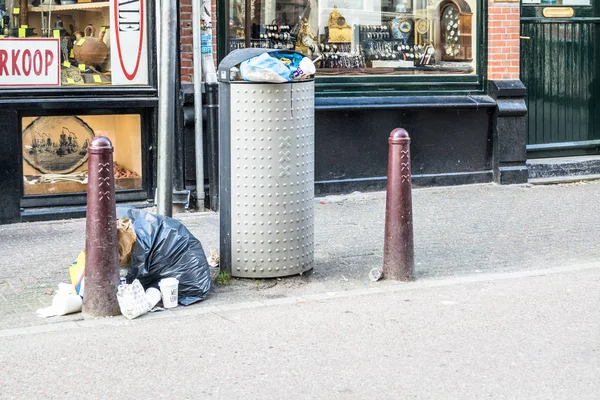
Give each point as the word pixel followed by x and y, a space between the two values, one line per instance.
pixel 560 51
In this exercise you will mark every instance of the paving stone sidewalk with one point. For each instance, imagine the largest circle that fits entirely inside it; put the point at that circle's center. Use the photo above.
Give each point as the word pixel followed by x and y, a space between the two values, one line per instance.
pixel 458 231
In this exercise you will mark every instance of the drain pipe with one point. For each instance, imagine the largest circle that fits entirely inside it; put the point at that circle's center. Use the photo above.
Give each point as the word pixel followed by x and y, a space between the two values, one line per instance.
pixel 198 120
pixel 166 107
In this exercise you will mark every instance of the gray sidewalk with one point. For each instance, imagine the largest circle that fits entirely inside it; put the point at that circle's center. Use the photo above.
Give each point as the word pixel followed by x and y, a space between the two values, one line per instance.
pixel 513 335
pixel 458 231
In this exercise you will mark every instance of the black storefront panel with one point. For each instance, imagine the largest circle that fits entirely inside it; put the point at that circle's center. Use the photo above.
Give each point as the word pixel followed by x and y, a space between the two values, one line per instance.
pixel 448 146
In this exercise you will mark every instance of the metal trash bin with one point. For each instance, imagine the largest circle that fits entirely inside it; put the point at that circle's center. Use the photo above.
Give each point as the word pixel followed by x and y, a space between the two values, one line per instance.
pixel 266 182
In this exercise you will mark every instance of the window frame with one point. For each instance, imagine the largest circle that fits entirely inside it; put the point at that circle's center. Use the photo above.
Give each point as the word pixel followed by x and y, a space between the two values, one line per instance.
pixel 93 91
pixel 147 125
pixel 382 85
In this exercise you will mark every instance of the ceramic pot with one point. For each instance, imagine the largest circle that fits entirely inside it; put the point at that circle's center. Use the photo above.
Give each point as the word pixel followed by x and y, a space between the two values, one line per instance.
pixel 88 49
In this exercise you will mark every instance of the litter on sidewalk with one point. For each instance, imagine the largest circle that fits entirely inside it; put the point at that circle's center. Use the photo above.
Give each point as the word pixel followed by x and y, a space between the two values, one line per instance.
pixel 64 302
pixel 213 264
pixel 126 239
pixel 165 248
pixel 375 274
pixel 169 288
pixel 134 301
pixel 160 260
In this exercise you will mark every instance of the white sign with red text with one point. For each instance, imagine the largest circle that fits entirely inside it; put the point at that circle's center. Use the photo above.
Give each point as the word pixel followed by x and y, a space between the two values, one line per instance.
pixel 29 62
pixel 129 42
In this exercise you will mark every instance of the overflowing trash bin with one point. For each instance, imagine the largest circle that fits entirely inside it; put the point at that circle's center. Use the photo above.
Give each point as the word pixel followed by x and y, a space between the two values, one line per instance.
pixel 266 158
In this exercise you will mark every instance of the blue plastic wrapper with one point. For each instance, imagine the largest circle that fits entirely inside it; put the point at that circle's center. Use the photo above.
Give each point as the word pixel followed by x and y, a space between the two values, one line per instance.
pixel 264 68
pixel 276 66
pixel 164 248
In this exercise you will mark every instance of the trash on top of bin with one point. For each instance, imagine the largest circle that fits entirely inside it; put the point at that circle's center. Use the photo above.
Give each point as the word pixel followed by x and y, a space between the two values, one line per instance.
pixel 275 66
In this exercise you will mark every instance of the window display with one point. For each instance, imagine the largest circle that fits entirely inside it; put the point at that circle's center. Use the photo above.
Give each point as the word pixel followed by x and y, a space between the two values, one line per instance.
pixel 361 37
pixel 55 151
pixel 100 42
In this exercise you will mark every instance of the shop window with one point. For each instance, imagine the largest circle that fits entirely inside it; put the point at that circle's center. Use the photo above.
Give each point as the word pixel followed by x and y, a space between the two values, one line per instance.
pixel 55 151
pixel 73 43
pixel 363 37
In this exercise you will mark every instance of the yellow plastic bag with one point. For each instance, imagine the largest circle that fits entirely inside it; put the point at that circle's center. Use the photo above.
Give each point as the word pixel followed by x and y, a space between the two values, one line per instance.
pixel 76 271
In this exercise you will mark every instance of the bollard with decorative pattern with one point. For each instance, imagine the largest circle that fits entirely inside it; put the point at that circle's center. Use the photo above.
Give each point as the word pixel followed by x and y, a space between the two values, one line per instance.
pixel 102 260
pixel 398 250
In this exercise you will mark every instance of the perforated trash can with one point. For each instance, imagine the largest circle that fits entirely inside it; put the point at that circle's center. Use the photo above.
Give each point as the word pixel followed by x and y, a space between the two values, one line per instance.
pixel 266 158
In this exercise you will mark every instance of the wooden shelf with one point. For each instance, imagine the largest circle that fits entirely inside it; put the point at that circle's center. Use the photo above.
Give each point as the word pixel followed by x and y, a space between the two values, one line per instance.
pixel 70 7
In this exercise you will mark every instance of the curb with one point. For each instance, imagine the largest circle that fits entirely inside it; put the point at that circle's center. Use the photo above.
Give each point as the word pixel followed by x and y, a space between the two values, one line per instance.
pixel 387 287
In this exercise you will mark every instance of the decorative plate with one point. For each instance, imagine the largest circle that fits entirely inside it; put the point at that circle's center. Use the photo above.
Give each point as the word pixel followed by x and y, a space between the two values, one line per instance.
pixel 56 145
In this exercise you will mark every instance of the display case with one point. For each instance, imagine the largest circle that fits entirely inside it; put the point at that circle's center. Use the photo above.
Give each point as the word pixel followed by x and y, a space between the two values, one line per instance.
pixel 55 151
pixel 364 37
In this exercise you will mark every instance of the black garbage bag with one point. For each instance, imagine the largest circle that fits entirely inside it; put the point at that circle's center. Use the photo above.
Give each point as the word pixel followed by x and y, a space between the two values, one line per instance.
pixel 164 248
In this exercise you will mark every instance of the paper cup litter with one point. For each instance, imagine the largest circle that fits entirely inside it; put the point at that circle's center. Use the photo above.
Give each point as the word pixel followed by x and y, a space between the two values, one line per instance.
pixel 169 289
pixel 153 296
pixel 375 274
pixel 64 304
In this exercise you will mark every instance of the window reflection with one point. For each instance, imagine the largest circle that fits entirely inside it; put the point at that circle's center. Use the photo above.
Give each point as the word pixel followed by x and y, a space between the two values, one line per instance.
pixel 363 37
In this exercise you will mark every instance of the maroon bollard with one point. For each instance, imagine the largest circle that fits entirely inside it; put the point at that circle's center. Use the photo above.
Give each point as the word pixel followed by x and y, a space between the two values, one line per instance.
pixel 398 247
pixel 101 258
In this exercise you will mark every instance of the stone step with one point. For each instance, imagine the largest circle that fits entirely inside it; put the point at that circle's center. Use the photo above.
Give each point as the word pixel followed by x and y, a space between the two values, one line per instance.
pixel 552 168
pixel 563 179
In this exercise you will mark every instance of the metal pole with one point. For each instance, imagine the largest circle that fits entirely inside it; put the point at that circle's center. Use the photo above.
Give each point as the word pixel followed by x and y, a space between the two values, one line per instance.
pixel 198 120
pixel 248 23
pixel 398 248
pixel 101 258
pixel 212 126
pixel 166 107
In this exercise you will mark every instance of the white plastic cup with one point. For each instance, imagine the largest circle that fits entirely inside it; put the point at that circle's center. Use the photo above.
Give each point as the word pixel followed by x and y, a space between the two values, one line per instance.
pixel 169 289
pixel 64 303
pixel 153 296
pixel 376 274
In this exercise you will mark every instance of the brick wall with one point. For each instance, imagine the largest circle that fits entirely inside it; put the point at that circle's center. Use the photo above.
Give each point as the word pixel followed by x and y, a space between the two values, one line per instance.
pixel 185 40
pixel 503 40
pixel 187 59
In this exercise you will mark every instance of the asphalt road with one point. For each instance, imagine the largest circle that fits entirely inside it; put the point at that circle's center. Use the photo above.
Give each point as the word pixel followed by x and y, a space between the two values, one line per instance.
pixel 517 335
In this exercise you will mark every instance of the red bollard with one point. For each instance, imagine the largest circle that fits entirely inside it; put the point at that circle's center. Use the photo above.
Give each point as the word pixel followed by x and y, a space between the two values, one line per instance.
pixel 398 248
pixel 101 258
